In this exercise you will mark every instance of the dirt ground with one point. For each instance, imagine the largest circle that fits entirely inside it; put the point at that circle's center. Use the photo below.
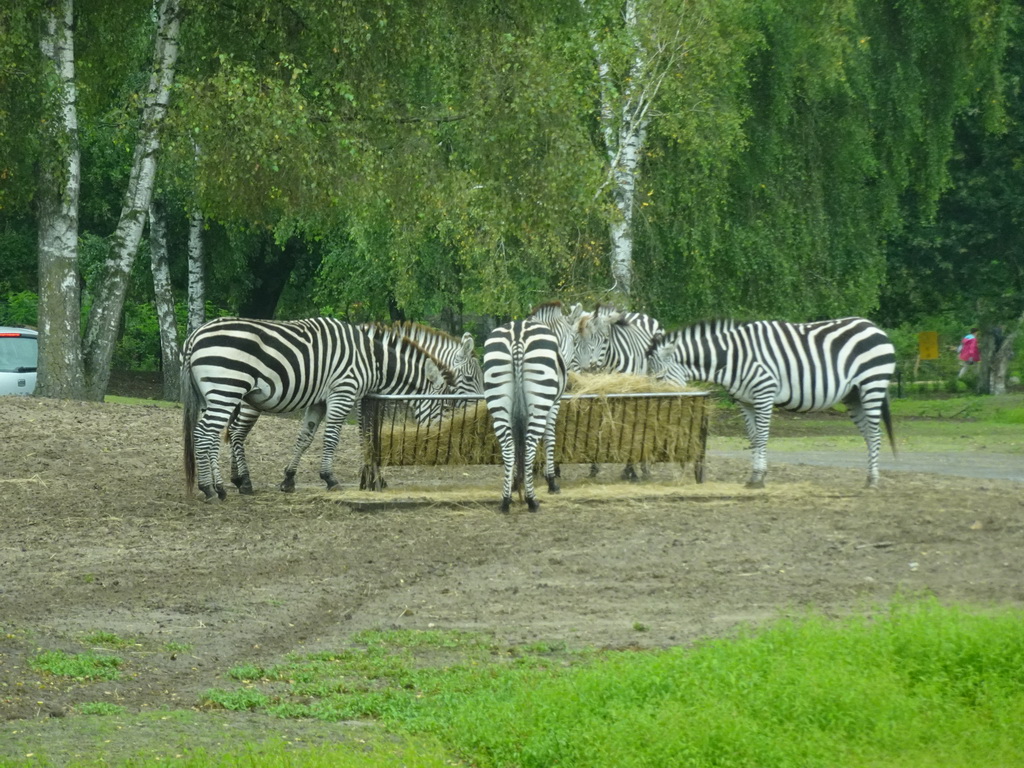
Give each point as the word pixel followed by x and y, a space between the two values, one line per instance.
pixel 97 533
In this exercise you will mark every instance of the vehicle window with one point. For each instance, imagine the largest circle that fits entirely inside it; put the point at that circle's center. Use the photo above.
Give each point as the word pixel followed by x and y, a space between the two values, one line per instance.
pixel 18 354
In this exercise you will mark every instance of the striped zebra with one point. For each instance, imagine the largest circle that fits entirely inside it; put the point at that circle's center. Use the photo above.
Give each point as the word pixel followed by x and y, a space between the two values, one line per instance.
pixel 319 365
pixel 524 378
pixel 617 342
pixel 564 326
pixel 796 366
pixel 458 355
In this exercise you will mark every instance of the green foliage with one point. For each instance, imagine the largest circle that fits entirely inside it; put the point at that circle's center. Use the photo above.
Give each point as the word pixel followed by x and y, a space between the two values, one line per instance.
pixel 80 666
pixel 107 640
pixel 20 309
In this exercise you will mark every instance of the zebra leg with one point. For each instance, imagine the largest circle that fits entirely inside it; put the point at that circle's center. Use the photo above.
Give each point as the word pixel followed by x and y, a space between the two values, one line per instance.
pixel 337 408
pixel 310 421
pixel 550 468
pixel 508 460
pixel 760 418
pixel 867 418
pixel 629 473
pixel 206 438
pixel 238 430
pixel 530 457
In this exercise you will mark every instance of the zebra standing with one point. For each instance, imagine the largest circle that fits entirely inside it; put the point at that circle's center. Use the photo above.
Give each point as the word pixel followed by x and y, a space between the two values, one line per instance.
pixel 456 354
pixel 321 365
pixel 565 327
pixel 524 378
pixel 617 342
pixel 796 366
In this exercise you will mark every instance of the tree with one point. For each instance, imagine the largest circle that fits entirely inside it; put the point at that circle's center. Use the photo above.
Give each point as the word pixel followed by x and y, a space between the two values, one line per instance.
pixel 60 357
pixel 108 301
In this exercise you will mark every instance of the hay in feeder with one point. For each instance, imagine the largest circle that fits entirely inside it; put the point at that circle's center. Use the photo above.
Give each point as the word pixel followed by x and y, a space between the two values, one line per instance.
pixel 656 424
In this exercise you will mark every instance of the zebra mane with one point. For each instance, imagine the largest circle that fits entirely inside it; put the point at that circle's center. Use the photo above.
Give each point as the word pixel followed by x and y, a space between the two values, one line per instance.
pixel 392 336
pixel 546 310
pixel 416 331
pixel 713 327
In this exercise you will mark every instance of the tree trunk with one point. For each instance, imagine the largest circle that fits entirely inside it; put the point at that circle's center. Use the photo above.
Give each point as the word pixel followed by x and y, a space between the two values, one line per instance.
pixel 105 316
pixel 60 339
pixel 170 354
pixel 196 272
pixel 271 266
pixel 996 352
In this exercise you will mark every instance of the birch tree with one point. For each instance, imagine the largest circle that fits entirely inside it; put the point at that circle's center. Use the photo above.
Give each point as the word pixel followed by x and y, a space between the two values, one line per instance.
pixel 196 272
pixel 170 356
pixel 108 300
pixel 60 357
pixel 634 51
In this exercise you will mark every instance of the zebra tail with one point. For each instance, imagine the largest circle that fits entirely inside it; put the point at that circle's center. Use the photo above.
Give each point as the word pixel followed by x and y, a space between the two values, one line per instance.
pixel 190 415
pixel 519 418
pixel 887 418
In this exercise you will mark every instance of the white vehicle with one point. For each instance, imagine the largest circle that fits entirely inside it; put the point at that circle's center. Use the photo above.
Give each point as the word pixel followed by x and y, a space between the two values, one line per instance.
pixel 19 352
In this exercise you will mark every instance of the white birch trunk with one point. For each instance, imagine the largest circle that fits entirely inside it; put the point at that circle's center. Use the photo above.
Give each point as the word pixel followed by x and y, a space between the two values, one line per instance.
pixel 105 316
pixel 60 340
pixel 196 272
pixel 170 354
pixel 624 115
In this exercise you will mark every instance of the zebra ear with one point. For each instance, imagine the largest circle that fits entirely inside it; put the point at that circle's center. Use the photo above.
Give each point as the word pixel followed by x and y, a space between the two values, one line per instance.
pixel 468 346
pixel 575 313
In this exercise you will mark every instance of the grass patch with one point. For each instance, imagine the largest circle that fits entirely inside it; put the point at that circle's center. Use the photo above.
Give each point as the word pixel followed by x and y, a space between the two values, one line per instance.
pixel 80 666
pixel 102 708
pixel 107 640
pixel 922 685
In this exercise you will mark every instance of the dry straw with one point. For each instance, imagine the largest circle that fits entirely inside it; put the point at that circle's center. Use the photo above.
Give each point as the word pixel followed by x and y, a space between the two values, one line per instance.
pixel 595 424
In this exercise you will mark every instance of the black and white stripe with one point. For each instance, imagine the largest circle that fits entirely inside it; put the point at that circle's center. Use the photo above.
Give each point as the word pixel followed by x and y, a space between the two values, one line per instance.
pixel 616 342
pixel 524 378
pixel 611 341
pixel 564 326
pixel 320 365
pixel 796 366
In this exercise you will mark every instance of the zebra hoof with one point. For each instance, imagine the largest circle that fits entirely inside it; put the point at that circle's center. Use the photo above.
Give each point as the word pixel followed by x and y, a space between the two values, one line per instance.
pixel 752 483
pixel 288 485
pixel 209 494
pixel 505 504
pixel 533 505
pixel 221 493
pixel 872 484
pixel 553 486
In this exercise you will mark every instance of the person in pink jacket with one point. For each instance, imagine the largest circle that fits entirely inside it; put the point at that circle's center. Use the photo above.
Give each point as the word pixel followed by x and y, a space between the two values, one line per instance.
pixel 968 352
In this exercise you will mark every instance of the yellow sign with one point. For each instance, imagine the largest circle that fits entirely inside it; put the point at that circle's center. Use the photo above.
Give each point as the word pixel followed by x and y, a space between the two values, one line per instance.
pixel 928 345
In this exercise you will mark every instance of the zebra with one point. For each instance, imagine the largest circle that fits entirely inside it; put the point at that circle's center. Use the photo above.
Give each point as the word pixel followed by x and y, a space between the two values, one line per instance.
pixel 564 326
pixel 796 366
pixel 457 354
pixel 524 378
pixel 617 342
pixel 320 364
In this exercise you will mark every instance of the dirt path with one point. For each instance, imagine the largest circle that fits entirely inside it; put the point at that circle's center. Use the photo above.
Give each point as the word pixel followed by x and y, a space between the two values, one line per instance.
pixel 97 534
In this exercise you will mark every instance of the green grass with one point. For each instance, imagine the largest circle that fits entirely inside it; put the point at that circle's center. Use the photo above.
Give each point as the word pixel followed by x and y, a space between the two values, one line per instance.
pixel 103 708
pixel 107 640
pixel 969 423
pixel 918 684
pixel 79 666
pixel 922 685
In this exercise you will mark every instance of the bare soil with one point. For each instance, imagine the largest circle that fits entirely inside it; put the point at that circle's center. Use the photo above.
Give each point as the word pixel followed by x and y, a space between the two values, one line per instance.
pixel 98 533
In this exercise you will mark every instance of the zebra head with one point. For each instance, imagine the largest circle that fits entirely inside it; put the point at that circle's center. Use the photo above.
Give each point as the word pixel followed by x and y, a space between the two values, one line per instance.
pixel 406 368
pixel 664 360
pixel 594 339
pixel 565 328
pixel 469 376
